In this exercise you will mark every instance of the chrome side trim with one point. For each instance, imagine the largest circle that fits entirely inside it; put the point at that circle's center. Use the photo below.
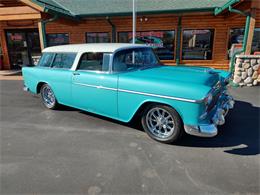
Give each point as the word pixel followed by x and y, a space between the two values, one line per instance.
pixel 96 86
pixel 140 93
pixel 160 96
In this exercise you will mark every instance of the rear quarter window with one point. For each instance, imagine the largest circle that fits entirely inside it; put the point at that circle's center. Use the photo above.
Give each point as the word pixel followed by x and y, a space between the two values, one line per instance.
pixel 46 60
pixel 64 60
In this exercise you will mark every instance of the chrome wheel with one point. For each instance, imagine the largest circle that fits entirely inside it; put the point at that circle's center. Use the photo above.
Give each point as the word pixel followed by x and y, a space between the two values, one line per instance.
pixel 48 96
pixel 160 122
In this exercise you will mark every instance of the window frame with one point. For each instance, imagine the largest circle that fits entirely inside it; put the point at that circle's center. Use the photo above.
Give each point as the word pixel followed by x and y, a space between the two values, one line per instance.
pixel 199 60
pixel 95 71
pixel 157 30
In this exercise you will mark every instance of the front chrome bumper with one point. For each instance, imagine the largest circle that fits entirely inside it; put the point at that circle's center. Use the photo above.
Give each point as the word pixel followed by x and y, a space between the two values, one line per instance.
pixel 25 88
pixel 210 130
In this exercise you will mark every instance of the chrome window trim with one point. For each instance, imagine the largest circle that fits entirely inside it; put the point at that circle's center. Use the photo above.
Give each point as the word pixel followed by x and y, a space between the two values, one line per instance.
pixel 93 71
pixel 140 93
pixel 78 58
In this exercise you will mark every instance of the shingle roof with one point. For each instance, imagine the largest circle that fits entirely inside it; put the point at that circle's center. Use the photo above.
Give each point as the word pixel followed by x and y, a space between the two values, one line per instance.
pixel 53 6
pixel 119 7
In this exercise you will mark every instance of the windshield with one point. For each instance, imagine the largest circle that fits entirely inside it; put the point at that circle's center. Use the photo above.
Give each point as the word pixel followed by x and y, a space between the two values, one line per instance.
pixel 137 58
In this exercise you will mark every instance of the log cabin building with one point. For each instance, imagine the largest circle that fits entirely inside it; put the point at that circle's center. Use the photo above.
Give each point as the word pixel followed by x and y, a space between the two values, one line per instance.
pixel 201 33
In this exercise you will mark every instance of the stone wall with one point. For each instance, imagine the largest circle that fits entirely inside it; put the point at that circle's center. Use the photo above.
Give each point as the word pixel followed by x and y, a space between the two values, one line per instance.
pixel 247 70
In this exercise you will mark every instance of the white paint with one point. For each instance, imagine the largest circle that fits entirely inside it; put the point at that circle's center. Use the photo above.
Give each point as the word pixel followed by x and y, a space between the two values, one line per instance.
pixel 92 47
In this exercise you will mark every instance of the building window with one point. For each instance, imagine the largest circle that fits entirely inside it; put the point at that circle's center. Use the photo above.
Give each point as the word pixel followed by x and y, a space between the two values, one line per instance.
pixel 236 36
pixel 197 44
pixel 161 41
pixel 64 60
pixel 101 37
pixel 57 39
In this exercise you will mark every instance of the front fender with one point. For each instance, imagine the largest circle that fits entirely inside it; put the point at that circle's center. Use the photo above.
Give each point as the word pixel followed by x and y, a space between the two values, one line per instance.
pixel 129 104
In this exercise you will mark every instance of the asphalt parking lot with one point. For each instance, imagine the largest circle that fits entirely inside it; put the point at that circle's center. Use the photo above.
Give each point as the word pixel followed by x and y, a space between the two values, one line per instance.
pixel 71 151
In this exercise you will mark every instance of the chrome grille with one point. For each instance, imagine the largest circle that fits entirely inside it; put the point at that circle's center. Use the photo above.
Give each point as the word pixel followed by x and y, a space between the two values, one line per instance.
pixel 214 101
pixel 216 92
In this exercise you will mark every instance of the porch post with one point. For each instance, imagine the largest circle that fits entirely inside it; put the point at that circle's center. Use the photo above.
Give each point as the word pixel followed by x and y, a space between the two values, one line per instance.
pixel 250 34
pixel 178 42
pixel 134 21
pixel 41 34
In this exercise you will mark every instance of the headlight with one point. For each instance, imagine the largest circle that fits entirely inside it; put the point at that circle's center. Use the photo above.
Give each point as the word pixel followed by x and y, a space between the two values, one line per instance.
pixel 209 99
pixel 227 79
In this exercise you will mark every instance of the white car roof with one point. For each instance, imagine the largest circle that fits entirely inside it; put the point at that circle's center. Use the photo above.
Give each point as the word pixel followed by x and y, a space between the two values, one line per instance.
pixel 92 47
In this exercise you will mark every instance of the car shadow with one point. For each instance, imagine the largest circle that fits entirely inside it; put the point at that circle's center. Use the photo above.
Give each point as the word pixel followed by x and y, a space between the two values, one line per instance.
pixel 240 132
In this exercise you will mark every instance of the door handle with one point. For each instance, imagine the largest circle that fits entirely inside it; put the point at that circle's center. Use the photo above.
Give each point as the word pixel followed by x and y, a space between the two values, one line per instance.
pixel 76 73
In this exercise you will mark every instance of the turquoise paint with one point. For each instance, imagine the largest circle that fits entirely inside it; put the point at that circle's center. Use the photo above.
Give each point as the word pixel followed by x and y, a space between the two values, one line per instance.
pixel 100 100
pixel 78 89
pixel 58 79
pixel 179 81
pixel 129 103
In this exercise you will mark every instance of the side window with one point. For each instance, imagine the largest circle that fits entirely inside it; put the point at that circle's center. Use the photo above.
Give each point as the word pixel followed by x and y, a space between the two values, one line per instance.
pixel 64 60
pixel 46 59
pixel 94 62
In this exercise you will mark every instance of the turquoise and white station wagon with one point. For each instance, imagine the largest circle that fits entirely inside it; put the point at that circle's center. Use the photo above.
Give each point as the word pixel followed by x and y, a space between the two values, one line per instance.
pixel 121 81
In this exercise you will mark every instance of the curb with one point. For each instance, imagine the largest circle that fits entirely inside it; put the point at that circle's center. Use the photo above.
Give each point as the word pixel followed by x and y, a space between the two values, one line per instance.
pixel 11 73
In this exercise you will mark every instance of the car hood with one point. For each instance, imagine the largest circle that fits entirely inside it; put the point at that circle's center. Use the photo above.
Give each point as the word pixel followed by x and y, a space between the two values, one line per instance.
pixel 183 74
pixel 178 81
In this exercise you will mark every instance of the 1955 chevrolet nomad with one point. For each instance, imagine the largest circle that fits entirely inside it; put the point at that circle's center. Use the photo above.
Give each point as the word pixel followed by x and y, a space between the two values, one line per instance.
pixel 121 81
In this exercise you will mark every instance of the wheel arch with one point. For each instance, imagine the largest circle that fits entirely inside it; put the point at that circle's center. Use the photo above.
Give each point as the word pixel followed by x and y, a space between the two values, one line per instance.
pixel 140 110
pixel 39 85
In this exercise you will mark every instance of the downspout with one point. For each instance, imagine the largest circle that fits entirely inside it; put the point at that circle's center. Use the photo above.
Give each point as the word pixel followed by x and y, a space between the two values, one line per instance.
pixel 247 25
pixel 113 29
pixel 44 22
pixel 178 43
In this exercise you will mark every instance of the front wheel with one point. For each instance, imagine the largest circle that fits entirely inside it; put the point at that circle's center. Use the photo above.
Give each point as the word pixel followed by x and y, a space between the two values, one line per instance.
pixel 48 98
pixel 162 123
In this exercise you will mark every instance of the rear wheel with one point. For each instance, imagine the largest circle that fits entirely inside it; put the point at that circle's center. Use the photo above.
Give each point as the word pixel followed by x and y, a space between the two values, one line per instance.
pixel 48 98
pixel 162 123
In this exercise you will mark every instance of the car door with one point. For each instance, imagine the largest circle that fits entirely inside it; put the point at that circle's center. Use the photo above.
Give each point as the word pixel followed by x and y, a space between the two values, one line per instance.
pixel 61 76
pixel 93 87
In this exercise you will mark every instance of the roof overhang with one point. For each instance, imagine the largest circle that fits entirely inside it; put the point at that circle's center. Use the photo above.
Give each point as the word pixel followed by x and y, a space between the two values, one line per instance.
pixel 33 5
pixel 219 10
pixel 19 13
pixel 48 8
